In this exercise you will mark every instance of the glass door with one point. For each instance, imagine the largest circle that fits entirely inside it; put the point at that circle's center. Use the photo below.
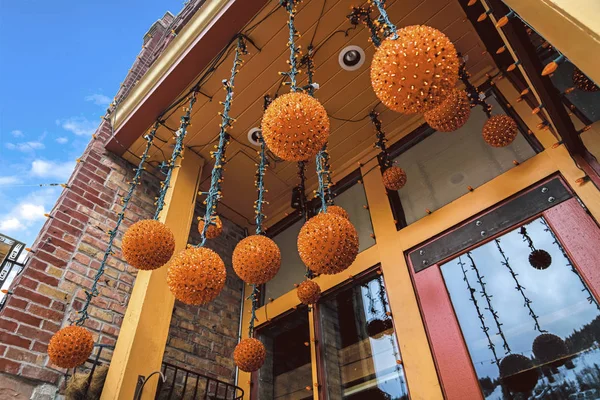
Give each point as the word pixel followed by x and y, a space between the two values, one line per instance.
pixel 515 315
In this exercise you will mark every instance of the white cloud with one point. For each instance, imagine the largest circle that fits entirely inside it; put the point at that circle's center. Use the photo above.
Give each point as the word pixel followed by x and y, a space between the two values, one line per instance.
pixel 62 140
pixel 17 133
pixel 25 216
pixel 10 224
pixel 30 212
pixel 52 169
pixel 9 180
pixel 98 99
pixel 25 147
pixel 78 125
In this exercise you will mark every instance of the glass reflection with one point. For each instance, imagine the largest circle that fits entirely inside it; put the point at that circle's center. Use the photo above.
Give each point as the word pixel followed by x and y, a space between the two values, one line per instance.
pixel 531 325
pixel 360 351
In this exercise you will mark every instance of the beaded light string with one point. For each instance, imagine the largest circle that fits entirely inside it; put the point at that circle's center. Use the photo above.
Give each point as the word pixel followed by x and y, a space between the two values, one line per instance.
pixel 290 7
pixel 526 238
pixel 488 300
pixel 93 292
pixel 484 327
pixel 363 14
pixel 214 193
pixel 383 21
pixel 381 141
pixel 520 289
pixel 476 97
pixel 386 316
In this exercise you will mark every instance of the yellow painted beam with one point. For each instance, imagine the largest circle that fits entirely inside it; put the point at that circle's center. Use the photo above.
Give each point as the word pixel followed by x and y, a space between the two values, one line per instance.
pixel 143 334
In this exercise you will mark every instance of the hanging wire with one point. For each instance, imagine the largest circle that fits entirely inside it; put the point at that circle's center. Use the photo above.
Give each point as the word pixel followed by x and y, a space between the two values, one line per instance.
pixel 389 29
pixel 322 173
pixel 590 297
pixel 381 141
pixel 475 96
pixel 488 300
pixel 484 327
pixel 290 7
pixel 260 185
pixel 93 292
pixel 520 289
pixel 254 297
pixel 526 238
pixel 214 193
pixel 363 14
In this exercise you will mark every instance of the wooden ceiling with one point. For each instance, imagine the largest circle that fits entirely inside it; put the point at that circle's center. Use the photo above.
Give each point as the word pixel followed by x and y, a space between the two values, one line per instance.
pixel 346 95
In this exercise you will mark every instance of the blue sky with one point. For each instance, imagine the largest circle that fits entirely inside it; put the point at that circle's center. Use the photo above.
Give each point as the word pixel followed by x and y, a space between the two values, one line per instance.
pixel 62 63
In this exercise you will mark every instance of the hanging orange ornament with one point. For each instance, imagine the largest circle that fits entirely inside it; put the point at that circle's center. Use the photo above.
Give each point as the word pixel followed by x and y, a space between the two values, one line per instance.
pixel 328 243
pixel 214 230
pixel 148 244
pixel 582 82
pixel 394 178
pixel 70 347
pixel 249 355
pixel 452 114
pixel 415 72
pixel 256 259
pixel 196 275
pixel 309 291
pixel 295 126
pixel 339 211
pixel 500 131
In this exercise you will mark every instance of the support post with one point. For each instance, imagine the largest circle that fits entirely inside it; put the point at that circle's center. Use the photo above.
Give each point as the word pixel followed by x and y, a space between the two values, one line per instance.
pixel 143 335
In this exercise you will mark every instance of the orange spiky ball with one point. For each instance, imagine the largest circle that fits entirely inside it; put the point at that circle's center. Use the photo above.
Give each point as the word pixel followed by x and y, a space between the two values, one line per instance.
pixel 256 259
pixel 196 275
pixel 500 131
pixel 148 244
pixel 70 347
pixel 415 72
pixel 249 355
pixel 295 126
pixel 339 211
pixel 394 178
pixel 452 114
pixel 308 292
pixel 328 243
pixel 213 231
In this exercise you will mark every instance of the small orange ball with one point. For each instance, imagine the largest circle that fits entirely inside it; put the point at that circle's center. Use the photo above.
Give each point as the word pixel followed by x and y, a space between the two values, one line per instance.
pixel 213 231
pixel 256 259
pixel 196 275
pixel 249 355
pixel 148 244
pixel 394 178
pixel 70 347
pixel 308 292
pixel 328 244
pixel 339 211
pixel 500 131
pixel 415 72
pixel 295 126
pixel 452 114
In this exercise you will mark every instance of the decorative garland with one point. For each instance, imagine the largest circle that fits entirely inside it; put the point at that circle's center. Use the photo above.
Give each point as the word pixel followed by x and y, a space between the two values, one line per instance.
pixel 387 27
pixel 290 7
pixel 476 97
pixel 384 156
pixel 363 14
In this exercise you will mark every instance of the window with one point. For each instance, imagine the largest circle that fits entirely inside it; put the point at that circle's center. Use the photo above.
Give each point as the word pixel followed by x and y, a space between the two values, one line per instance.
pixel 442 166
pixel 530 323
pixel 287 369
pixel 358 345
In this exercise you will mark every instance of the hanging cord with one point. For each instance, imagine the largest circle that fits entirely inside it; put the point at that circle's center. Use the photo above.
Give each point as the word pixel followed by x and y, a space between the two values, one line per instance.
pixel 290 7
pixel 177 153
pixel 386 315
pixel 214 193
pixel 488 299
pixel 322 173
pixel 519 288
pixel 590 297
pixel 484 327
pixel 381 141
pixel 254 297
pixel 476 97
pixel 260 185
pixel 388 28
pixel 363 14
pixel 93 292
pixel 526 238
pixel 303 204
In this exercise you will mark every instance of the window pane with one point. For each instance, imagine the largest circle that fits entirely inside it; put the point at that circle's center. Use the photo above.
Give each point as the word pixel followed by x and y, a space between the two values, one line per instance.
pixel 287 369
pixel 360 351
pixel 353 201
pixel 546 328
pixel 441 167
pixel 292 268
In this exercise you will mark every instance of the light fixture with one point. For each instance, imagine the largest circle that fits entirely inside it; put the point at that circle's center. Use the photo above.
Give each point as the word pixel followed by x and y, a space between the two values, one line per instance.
pixel 351 58
pixel 254 135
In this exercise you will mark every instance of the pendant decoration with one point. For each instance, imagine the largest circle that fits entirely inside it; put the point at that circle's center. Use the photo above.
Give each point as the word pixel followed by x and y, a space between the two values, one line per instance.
pixel 394 178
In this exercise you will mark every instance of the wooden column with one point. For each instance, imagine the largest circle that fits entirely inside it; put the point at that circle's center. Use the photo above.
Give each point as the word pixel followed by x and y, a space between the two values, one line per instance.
pixel 145 328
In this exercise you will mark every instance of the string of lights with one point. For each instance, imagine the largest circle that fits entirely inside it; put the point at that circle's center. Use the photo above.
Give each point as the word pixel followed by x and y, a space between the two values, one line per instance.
pixel 363 14
pixel 389 29
pixel 475 96
pixel 214 193
pixel 290 7
pixel 135 181
pixel 381 140
pixel 526 238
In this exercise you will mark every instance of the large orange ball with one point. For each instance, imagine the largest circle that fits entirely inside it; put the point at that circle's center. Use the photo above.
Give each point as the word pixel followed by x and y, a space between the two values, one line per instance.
pixel 394 178
pixel 213 231
pixel 452 114
pixel 500 131
pixel 249 355
pixel 295 126
pixel 70 347
pixel 337 210
pixel 256 259
pixel 415 72
pixel 148 244
pixel 196 275
pixel 327 243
